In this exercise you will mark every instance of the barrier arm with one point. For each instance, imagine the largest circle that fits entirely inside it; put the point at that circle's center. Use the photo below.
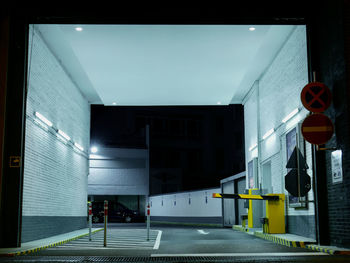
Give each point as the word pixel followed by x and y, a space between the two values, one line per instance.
pixel 245 196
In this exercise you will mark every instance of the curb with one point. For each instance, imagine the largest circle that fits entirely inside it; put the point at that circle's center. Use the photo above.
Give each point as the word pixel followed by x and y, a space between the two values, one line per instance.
pixel 240 228
pixel 290 243
pixel 328 250
pixel 33 250
pixel 281 241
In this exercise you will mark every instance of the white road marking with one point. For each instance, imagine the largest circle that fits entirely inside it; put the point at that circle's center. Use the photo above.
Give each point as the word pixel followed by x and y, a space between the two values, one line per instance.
pixel 202 232
pixel 287 254
pixel 157 243
pixel 116 239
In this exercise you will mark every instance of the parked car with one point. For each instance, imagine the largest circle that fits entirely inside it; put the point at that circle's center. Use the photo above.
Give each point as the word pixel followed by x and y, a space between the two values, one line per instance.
pixel 117 212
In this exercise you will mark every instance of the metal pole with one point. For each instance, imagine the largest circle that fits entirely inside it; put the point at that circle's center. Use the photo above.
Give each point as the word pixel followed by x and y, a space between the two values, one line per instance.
pixel 90 220
pixel 148 221
pixel 105 221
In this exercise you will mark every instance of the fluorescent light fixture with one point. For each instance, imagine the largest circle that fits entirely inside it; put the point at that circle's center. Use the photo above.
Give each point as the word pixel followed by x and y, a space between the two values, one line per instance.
pixel 290 115
pixel 79 29
pixel 252 29
pixel 43 119
pixel 64 135
pixel 94 149
pixel 79 146
pixel 268 133
pixel 253 147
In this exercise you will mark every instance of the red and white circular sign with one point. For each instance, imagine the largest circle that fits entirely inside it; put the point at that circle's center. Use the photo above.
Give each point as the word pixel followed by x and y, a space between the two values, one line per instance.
pixel 317 128
pixel 316 97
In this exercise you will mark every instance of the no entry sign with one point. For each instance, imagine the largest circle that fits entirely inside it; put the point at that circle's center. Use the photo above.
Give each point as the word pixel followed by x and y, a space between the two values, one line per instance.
pixel 317 128
pixel 316 97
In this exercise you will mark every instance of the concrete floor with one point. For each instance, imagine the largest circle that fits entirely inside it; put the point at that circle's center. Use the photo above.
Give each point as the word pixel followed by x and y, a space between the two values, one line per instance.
pixel 175 244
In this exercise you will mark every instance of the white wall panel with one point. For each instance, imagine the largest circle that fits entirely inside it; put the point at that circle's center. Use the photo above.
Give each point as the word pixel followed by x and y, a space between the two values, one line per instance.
pixel 275 96
pixel 178 205
pixel 55 174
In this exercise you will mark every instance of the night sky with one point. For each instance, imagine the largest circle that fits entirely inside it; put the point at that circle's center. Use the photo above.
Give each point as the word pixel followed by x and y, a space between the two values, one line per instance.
pixel 191 147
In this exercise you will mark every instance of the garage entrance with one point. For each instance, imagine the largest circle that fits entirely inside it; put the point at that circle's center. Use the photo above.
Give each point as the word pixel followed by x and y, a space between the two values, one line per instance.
pixel 65 77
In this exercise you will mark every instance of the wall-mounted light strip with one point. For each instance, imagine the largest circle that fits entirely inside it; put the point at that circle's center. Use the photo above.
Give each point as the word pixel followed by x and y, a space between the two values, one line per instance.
pixel 253 147
pixel 43 122
pixel 43 119
pixel 63 134
pixel 268 133
pixel 79 146
pixel 290 115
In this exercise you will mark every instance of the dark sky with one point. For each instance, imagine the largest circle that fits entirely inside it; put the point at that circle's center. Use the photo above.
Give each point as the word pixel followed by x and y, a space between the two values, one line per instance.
pixel 191 147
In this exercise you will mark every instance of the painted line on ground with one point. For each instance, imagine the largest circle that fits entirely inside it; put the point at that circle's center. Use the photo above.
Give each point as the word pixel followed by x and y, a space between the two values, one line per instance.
pixel 329 250
pixel 292 243
pixel 283 241
pixel 106 248
pixel 200 231
pixel 157 243
pixel 41 247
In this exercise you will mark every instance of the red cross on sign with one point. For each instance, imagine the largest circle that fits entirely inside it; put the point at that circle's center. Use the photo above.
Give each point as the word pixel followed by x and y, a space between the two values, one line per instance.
pixel 316 97
pixel 317 128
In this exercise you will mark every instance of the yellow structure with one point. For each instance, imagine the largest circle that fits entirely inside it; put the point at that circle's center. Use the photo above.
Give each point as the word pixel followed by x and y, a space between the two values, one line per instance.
pixel 250 209
pixel 274 223
pixel 275 215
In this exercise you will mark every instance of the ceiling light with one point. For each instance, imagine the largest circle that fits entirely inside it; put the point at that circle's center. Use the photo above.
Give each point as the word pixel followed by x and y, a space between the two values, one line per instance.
pixel 63 134
pixel 268 133
pixel 79 29
pixel 94 149
pixel 252 28
pixel 253 147
pixel 43 119
pixel 290 115
pixel 79 146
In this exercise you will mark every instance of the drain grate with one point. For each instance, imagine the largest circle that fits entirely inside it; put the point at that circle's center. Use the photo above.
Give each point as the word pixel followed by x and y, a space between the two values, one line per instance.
pixel 180 259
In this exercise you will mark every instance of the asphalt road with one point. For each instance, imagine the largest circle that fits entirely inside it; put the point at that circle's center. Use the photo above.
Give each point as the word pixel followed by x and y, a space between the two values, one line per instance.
pixel 175 244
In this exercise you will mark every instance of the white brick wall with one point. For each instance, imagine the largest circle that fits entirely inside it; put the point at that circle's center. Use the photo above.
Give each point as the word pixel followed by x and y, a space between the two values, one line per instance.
pixel 55 174
pixel 251 124
pixel 278 91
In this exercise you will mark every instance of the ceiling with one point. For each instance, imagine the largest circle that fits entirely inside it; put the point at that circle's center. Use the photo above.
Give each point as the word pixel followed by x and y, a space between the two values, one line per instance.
pixel 149 65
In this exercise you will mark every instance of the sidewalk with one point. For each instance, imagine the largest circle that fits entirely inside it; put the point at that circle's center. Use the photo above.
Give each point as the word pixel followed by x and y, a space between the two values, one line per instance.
pixel 291 240
pixel 33 246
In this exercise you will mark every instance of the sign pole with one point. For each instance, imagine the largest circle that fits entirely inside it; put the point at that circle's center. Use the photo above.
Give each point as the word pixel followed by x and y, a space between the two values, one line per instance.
pixel 318 129
pixel 105 223
pixel 90 220
pixel 148 221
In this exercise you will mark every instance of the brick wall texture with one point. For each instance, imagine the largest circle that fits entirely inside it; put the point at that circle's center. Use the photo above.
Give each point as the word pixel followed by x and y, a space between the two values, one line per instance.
pixel 55 173
pixel 273 97
pixel 333 70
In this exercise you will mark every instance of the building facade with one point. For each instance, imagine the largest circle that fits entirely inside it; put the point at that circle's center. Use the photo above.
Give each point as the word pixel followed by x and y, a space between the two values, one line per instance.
pixel 328 56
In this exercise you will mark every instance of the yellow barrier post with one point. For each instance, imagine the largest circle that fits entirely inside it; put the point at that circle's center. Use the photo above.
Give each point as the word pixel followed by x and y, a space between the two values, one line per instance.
pixel 275 221
pixel 275 215
pixel 250 210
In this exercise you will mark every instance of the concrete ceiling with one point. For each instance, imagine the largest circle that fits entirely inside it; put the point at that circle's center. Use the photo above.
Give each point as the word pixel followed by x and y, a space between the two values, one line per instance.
pixel 149 65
